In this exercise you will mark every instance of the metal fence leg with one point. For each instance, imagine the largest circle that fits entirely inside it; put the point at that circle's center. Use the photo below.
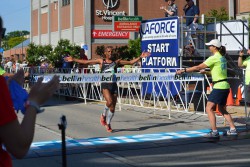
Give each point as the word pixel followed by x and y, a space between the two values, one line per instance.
pixel 62 127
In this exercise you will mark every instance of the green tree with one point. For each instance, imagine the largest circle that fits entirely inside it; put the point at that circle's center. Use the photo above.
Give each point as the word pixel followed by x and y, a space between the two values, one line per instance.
pixel 100 50
pixel 220 15
pixel 14 38
pixel 37 53
pixel 56 57
pixel 33 54
pixel 134 47
pixel 15 41
pixel 16 34
pixel 126 52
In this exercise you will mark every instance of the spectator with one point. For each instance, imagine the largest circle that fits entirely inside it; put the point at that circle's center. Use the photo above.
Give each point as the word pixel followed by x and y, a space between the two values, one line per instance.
pixel 14 136
pixel 245 63
pixel 190 51
pixel 171 9
pixel 9 65
pixel 6 74
pixel 44 63
pixel 3 72
pixel 66 65
pixel 83 56
pixel 192 14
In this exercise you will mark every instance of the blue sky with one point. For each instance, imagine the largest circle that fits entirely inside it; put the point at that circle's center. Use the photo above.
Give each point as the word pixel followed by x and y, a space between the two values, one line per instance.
pixel 15 14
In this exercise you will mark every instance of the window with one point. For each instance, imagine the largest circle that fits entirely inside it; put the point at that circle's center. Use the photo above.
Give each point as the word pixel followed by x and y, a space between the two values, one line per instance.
pixel 44 9
pixel 65 2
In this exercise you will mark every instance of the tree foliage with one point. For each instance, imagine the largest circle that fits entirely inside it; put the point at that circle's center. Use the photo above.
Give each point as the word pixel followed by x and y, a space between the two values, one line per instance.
pixel 126 52
pixel 100 50
pixel 38 53
pixel 14 38
pixel 16 34
pixel 220 15
pixel 15 41
pixel 134 47
pixel 63 45
pixel 33 54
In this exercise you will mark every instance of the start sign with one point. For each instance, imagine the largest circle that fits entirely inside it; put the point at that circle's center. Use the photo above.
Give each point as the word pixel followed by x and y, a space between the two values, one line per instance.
pixel 127 23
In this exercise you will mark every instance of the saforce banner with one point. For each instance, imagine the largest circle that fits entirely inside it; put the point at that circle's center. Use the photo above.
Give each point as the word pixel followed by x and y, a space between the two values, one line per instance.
pixel 161 38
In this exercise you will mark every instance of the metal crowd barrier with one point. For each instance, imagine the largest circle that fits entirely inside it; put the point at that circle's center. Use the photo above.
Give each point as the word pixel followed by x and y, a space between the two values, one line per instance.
pixel 185 99
pixel 246 92
pixel 168 95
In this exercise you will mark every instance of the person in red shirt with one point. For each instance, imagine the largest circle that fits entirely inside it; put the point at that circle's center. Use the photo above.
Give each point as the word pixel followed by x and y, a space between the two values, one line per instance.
pixel 83 56
pixel 17 137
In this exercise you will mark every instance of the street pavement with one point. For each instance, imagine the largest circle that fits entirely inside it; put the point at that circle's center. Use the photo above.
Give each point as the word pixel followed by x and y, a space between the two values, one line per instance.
pixel 141 137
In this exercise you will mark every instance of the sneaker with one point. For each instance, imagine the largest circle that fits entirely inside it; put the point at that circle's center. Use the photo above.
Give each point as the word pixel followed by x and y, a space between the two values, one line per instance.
pixel 108 128
pixel 214 135
pixel 103 120
pixel 232 132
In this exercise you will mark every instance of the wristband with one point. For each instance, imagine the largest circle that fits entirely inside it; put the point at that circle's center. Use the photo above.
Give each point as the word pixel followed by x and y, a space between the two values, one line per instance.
pixel 35 105
pixel 185 70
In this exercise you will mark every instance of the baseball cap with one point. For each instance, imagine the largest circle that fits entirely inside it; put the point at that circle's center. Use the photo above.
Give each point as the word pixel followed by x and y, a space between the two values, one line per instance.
pixel 214 42
pixel 82 48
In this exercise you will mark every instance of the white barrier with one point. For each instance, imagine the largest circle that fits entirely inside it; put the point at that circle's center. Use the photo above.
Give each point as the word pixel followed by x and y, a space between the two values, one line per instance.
pixel 168 91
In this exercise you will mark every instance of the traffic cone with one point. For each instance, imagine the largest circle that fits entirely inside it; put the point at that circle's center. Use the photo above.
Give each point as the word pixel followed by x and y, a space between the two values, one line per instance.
pixel 217 110
pixel 239 97
pixel 230 100
pixel 209 89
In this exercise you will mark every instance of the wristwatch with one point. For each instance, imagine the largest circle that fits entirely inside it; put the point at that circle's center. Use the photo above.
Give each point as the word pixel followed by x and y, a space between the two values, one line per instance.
pixel 35 105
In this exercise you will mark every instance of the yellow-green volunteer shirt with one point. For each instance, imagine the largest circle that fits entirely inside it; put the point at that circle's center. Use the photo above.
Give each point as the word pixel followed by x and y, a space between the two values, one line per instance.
pixel 1 71
pixel 247 74
pixel 218 67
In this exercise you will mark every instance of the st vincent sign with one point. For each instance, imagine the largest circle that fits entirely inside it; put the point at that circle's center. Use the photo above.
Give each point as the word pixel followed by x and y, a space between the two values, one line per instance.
pixel 107 15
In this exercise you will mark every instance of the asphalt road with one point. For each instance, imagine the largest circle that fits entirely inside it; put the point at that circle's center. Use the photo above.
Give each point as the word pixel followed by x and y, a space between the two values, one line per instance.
pixel 83 123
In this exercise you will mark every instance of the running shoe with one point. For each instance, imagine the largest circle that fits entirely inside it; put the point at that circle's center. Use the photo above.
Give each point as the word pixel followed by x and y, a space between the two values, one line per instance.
pixel 108 128
pixel 214 135
pixel 232 132
pixel 103 120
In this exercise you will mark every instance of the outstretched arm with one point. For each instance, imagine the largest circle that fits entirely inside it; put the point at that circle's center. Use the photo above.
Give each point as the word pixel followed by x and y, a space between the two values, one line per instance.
pixel 131 62
pixel 192 69
pixel 87 62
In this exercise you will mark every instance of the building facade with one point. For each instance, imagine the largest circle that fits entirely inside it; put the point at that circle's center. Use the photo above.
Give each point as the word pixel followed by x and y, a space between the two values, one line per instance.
pixel 89 22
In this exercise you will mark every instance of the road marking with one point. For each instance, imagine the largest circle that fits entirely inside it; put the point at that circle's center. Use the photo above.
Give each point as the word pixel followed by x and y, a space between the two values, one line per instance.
pixel 120 139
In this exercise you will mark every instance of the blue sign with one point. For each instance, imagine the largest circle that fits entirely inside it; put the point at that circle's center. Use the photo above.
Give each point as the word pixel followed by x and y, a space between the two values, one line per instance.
pixel 161 38
pixel 1 50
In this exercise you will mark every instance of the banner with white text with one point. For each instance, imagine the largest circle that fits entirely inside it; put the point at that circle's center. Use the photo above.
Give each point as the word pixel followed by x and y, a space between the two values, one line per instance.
pixel 161 38
pixel 119 77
